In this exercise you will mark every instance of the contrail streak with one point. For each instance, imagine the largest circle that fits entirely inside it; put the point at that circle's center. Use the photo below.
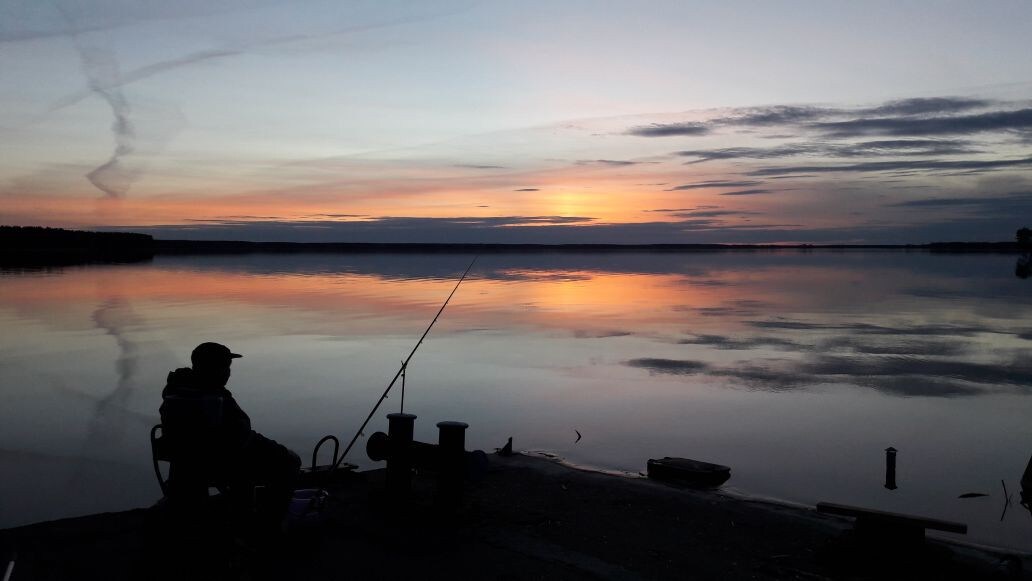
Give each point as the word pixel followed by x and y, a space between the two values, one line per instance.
pixel 101 70
pixel 229 51
pixel 105 79
pixel 100 67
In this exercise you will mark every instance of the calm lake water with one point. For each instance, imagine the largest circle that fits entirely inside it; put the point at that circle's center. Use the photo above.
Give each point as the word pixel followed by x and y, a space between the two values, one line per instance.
pixel 797 369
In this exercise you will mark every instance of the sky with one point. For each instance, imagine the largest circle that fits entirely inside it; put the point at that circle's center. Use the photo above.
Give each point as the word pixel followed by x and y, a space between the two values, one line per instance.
pixel 531 122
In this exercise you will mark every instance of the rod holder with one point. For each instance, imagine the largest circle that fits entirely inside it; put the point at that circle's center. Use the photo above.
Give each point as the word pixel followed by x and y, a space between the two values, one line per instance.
pixel 400 428
pixel 451 444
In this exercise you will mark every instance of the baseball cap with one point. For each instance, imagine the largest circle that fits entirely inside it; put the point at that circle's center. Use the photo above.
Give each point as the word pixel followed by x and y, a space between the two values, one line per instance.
pixel 211 354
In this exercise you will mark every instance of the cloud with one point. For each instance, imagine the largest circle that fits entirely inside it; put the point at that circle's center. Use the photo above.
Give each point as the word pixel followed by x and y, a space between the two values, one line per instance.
pixel 687 128
pixel 716 184
pixel 101 70
pixel 908 147
pixel 1018 202
pixel 746 152
pixel 975 166
pixel 747 192
pixel 527 190
pixel 690 213
pixel 330 216
pixel 893 147
pixel 609 162
pixel 475 166
pixel 811 116
pixel 580 230
pixel 197 57
pixel 924 106
pixel 224 219
pixel 1019 119
pixel 774 115
pixel 144 73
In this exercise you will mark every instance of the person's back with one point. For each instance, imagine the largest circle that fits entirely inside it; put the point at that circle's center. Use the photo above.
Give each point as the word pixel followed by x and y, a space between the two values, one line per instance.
pixel 201 414
pixel 211 440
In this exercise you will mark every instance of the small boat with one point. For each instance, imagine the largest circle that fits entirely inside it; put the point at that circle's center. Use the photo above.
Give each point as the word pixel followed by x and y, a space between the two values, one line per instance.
pixel 688 472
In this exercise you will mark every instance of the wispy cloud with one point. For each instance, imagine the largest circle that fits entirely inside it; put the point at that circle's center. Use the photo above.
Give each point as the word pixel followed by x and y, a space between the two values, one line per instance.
pixel 101 69
pixel 1010 202
pixel 687 128
pixel 929 105
pixel 893 147
pixel 918 165
pixel 690 213
pixel 716 184
pixel 1020 119
pixel 917 116
pixel 774 115
pixel 1003 208
pixel 609 162
pixel 240 48
pixel 752 192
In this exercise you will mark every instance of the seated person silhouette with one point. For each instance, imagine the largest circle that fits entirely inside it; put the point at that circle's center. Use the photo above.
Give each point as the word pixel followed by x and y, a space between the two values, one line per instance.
pixel 212 443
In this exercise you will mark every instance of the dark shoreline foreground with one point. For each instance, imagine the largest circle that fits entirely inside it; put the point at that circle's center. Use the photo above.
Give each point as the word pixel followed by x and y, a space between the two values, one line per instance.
pixel 528 518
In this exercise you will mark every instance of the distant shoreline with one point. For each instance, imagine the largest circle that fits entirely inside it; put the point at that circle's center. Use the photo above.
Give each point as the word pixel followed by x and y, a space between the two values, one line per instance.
pixel 35 246
pixel 242 247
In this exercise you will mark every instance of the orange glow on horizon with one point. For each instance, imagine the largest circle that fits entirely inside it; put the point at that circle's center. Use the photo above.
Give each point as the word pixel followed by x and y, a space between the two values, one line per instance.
pixel 605 195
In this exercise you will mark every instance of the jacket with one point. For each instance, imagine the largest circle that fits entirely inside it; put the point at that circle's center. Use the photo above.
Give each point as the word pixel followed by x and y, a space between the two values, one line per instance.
pixel 202 423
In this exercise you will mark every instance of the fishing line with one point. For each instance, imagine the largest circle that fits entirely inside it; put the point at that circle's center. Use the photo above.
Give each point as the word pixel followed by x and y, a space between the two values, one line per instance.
pixel 404 365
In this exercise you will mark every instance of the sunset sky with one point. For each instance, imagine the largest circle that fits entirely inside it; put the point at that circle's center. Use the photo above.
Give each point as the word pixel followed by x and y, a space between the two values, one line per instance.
pixel 532 122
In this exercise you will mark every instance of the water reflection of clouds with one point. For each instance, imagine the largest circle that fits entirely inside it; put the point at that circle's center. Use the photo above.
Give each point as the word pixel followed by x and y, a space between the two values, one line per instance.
pixel 875 329
pixel 941 347
pixel 892 374
pixel 730 308
pixel 844 343
pixel 892 357
pixel 724 342
pixel 600 334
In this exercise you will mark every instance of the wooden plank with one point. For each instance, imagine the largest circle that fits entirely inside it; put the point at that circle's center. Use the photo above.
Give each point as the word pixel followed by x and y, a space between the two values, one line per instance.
pixel 902 519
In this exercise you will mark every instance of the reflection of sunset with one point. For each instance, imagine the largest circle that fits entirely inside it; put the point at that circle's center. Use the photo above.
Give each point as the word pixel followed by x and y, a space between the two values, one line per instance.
pixel 341 299
pixel 572 300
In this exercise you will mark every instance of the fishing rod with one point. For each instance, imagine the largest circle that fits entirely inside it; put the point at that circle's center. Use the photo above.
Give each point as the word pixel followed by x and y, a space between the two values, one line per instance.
pixel 404 366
